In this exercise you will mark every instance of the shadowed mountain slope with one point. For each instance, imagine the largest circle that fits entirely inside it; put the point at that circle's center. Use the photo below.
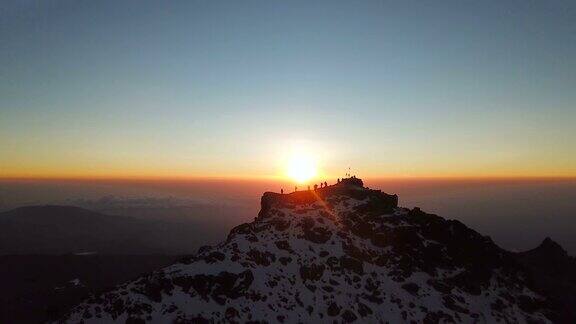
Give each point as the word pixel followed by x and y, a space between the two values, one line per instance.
pixel 343 253
pixel 37 288
pixel 554 274
pixel 66 229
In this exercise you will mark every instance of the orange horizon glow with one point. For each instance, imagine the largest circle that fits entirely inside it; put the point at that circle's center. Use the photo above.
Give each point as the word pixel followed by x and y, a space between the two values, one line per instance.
pixel 269 159
pixel 276 168
pixel 283 178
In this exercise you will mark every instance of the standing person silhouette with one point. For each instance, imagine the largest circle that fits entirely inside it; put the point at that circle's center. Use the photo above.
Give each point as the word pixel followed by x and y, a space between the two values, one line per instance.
pixel 325 184
pixel 315 187
pixel 281 191
pixel 295 188
pixel 308 187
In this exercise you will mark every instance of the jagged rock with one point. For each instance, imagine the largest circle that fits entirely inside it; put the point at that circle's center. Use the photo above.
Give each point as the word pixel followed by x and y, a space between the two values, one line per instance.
pixel 333 310
pixel 313 272
pixel 343 253
pixel 553 273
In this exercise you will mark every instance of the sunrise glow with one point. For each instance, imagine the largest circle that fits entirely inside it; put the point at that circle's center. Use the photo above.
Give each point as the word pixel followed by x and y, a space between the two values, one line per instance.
pixel 301 168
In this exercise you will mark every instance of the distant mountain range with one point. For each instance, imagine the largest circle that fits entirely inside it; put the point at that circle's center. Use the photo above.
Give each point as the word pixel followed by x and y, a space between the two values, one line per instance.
pixel 67 229
pixel 346 253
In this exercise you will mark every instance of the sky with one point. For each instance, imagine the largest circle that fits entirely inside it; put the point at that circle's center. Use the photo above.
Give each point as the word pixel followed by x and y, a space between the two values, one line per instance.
pixel 233 88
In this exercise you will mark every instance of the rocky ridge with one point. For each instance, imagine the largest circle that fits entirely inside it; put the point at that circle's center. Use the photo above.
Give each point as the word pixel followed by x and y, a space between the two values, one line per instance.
pixel 343 253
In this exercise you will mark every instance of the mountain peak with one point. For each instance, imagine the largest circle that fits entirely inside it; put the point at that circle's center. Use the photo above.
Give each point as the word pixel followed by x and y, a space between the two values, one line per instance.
pixel 549 249
pixel 329 195
pixel 341 253
pixel 549 244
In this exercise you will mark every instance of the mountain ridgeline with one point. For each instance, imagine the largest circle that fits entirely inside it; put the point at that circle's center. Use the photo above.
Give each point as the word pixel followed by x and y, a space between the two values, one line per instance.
pixel 54 230
pixel 342 253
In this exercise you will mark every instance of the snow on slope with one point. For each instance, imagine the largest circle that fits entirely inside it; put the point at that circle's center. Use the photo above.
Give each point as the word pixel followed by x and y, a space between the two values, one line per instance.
pixel 342 253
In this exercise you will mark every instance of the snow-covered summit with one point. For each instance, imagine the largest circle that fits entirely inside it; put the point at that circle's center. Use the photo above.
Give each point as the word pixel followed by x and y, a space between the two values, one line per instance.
pixel 343 253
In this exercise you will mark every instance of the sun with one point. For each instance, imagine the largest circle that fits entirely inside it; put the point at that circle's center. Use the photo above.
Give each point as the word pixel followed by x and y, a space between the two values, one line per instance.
pixel 301 168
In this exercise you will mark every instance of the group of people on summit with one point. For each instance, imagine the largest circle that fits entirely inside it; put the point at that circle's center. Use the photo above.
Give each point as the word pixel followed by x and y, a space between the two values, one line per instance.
pixel 322 185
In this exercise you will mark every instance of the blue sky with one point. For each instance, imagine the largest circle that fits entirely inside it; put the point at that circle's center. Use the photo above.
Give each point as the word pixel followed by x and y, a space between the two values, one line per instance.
pixel 192 88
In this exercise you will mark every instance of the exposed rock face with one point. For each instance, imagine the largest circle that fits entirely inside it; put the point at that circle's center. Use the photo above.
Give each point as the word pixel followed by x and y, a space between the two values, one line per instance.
pixel 553 273
pixel 342 253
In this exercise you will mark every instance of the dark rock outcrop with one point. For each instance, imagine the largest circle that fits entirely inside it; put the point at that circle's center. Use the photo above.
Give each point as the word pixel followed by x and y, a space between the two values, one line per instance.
pixel 553 274
pixel 342 253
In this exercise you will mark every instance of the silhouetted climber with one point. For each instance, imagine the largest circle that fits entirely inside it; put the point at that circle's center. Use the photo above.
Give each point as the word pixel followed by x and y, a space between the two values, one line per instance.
pixel 308 187
pixel 281 191
pixel 295 188
pixel 325 184
pixel 321 184
pixel 338 181
pixel 315 187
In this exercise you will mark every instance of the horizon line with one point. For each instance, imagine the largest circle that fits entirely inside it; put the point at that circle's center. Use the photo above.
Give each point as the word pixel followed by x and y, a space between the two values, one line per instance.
pixel 285 179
